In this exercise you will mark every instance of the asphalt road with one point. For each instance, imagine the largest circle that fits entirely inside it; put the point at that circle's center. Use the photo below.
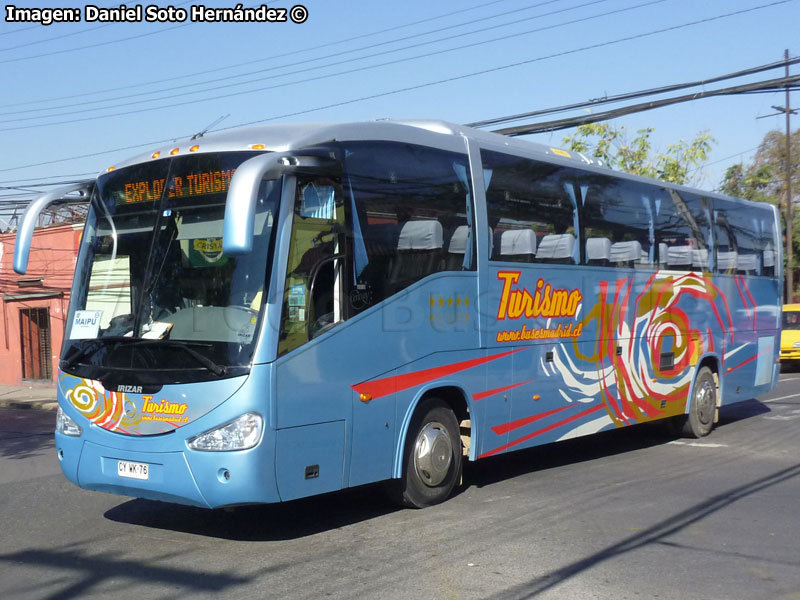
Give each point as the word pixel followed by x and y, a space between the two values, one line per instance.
pixel 627 514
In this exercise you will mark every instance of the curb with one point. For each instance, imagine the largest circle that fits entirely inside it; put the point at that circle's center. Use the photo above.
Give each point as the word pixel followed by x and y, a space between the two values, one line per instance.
pixel 30 404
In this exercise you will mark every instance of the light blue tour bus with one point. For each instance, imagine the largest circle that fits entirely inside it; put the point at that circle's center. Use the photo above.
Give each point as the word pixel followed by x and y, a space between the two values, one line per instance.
pixel 274 312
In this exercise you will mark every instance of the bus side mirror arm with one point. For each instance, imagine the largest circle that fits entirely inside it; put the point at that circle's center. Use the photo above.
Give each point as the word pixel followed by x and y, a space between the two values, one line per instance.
pixel 240 204
pixel 22 245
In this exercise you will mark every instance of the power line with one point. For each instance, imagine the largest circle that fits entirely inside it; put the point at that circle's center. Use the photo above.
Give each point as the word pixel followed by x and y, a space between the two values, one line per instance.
pixel 19 189
pixel 269 58
pixel 38 26
pixel 349 71
pixel 772 84
pixel 719 160
pixel 97 45
pixel 330 64
pixel 58 37
pixel 71 34
pixel 19 30
pixel 93 154
pixel 514 64
pixel 633 95
pixel 297 63
pixel 41 185
pixel 43 177
pixel 421 86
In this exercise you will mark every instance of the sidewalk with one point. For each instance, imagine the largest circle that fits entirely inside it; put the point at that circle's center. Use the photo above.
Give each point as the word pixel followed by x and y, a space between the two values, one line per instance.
pixel 29 395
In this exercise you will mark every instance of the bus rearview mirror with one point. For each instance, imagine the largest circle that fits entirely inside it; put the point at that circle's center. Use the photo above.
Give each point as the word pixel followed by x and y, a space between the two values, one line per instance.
pixel 22 245
pixel 240 205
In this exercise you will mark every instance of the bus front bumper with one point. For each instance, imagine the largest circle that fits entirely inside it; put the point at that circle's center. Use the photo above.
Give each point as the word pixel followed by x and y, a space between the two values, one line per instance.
pixel 205 479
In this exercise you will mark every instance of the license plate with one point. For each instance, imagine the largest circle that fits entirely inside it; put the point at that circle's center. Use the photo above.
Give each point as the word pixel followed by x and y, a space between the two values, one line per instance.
pixel 133 470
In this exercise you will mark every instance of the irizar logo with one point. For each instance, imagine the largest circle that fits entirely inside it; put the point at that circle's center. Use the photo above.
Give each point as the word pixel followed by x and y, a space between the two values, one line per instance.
pixel 130 389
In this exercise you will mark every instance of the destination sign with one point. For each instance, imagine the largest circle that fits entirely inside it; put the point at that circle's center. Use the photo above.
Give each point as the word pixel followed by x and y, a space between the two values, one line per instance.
pixel 180 186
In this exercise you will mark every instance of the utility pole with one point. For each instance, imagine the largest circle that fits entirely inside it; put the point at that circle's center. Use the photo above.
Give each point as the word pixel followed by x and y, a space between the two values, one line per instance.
pixel 789 212
pixel 789 215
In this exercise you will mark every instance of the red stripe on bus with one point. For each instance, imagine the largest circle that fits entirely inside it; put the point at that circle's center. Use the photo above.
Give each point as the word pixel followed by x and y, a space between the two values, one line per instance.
pixel 646 288
pixel 747 291
pixel 741 285
pixel 501 429
pixel 619 308
pixel 397 383
pixel 487 393
pixel 749 360
pixel 623 313
pixel 543 430
pixel 739 289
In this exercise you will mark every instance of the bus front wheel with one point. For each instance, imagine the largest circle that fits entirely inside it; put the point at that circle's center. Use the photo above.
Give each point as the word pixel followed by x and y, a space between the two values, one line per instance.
pixel 432 457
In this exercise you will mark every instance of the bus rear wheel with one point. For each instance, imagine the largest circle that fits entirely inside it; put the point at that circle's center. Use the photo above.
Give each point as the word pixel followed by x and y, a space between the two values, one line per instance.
pixel 432 457
pixel 702 410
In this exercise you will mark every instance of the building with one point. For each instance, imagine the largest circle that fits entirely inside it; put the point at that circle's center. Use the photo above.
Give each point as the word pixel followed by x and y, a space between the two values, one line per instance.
pixel 35 304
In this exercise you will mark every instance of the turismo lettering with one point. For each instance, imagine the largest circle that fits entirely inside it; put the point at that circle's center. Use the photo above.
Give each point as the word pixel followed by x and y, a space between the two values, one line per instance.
pixel 164 408
pixel 544 302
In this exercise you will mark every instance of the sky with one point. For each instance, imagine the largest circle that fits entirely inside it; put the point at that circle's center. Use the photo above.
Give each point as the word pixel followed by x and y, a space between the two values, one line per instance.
pixel 77 97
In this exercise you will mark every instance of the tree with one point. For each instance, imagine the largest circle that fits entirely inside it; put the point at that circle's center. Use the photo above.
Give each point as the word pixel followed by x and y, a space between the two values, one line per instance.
pixel 751 183
pixel 681 163
pixel 764 180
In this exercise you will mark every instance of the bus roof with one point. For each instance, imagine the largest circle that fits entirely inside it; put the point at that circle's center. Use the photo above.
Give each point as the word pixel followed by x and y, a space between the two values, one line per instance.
pixel 290 136
pixel 285 137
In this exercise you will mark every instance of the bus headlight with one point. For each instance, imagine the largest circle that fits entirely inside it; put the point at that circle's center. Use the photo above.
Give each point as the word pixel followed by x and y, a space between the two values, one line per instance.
pixel 239 434
pixel 65 425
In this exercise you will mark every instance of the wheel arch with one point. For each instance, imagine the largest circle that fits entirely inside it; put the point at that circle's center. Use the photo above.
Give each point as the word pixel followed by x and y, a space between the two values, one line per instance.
pixel 453 394
pixel 711 361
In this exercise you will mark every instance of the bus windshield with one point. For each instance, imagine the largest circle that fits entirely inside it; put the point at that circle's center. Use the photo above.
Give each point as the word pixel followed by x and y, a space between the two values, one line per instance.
pixel 154 296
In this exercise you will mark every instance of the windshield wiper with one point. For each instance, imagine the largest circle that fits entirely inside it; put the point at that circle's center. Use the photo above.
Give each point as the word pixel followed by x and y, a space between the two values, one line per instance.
pixel 209 364
pixel 95 344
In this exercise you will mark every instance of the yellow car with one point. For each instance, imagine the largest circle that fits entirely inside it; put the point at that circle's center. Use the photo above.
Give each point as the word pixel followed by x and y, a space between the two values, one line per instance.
pixel 790 337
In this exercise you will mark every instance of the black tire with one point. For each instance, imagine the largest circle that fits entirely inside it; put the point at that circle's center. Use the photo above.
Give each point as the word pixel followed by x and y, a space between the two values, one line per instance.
pixel 702 410
pixel 429 477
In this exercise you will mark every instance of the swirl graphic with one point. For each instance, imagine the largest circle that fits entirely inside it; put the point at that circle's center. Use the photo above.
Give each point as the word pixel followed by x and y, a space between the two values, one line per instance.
pixel 113 411
pixel 644 345
pixel 83 397
pixel 104 409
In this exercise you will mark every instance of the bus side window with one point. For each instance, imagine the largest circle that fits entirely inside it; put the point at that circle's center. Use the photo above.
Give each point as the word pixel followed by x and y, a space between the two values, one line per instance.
pixel 410 216
pixel 742 226
pixel 769 244
pixel 617 222
pixel 532 210
pixel 681 231
pixel 752 231
pixel 724 245
pixel 312 295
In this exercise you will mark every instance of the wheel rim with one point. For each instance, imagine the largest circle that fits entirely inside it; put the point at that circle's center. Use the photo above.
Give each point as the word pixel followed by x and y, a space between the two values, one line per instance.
pixel 705 403
pixel 433 454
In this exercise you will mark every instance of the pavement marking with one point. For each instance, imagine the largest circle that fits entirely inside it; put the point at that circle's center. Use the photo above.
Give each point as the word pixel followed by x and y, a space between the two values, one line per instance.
pixel 783 417
pixel 788 379
pixel 781 398
pixel 697 444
